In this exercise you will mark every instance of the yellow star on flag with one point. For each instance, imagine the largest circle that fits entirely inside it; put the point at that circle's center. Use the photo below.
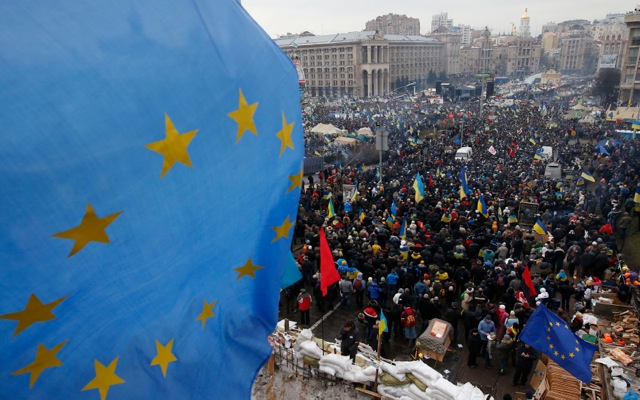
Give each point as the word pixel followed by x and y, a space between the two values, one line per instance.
pixel 45 358
pixel 164 356
pixel 207 312
pixel 578 349
pixel 555 353
pixel 91 229
pixel 244 117
pixel 563 357
pixel 34 312
pixel 296 180
pixel 248 269
pixel 173 147
pixel 282 231
pixel 285 134
pixel 551 346
pixel 105 378
pixel 571 355
pixel 557 323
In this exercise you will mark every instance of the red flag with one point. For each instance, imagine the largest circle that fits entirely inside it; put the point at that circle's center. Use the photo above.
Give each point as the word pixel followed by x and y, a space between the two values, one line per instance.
pixel 512 153
pixel 430 180
pixel 328 272
pixel 526 276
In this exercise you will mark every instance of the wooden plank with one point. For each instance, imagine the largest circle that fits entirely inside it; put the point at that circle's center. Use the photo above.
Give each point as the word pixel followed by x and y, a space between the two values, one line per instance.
pixel 369 392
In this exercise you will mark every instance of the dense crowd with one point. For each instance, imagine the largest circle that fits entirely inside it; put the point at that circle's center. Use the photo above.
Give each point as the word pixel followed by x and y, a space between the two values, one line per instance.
pixel 451 260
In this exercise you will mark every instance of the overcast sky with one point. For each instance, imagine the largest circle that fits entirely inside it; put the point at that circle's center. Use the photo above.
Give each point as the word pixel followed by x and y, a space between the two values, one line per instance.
pixel 278 17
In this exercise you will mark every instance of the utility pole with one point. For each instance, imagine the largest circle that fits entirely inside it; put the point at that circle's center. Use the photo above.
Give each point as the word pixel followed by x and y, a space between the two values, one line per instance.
pixel 382 142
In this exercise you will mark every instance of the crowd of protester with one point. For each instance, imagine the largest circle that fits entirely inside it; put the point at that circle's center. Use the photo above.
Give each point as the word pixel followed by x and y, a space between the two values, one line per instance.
pixel 453 261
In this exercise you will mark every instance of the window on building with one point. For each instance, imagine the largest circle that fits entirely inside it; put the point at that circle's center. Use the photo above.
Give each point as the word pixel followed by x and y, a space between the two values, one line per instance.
pixel 635 37
pixel 633 56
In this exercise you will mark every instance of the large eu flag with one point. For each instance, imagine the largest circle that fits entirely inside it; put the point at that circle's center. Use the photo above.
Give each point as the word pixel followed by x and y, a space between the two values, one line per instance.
pixel 150 171
pixel 549 334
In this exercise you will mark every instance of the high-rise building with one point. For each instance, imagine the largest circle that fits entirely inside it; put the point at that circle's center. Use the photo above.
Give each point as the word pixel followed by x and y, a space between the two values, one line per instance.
pixel 578 51
pixel 439 20
pixel 630 79
pixel 611 36
pixel 451 39
pixel 394 24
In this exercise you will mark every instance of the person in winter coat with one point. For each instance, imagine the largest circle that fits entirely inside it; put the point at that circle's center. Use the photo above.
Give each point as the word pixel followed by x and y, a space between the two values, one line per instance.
pixel 350 339
pixel 503 352
pixel 359 288
pixel 486 327
pixel 526 355
pixel 501 318
pixel 375 291
pixel 408 319
pixel 543 297
pixel 452 316
pixel 304 304
pixel 475 345
pixel 467 299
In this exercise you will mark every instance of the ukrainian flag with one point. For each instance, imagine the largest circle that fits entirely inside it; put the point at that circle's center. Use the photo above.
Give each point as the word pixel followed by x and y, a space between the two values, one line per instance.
pixel 403 228
pixel 446 218
pixel 500 212
pixel 327 195
pixel 635 125
pixel 512 219
pixel 419 188
pixel 382 325
pixel 331 212
pixel 389 221
pixel 482 207
pixel 362 215
pixel 587 175
pixel 532 140
pixel 540 228
pixel 394 209
pixel 538 155
pixel 463 182
pixel 580 181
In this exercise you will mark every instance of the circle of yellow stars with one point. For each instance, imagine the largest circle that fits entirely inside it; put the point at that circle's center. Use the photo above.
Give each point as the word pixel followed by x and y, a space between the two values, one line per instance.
pixel 556 353
pixel 92 228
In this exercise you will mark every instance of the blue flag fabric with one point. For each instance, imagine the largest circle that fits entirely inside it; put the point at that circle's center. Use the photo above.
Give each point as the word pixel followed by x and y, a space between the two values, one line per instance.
pixel 136 262
pixel 549 334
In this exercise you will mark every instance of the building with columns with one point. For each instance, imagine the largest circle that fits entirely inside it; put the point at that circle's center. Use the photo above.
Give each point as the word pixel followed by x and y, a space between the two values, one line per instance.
pixel 362 64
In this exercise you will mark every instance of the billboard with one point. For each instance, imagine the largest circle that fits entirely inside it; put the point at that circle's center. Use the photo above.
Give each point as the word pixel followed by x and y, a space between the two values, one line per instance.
pixel 608 60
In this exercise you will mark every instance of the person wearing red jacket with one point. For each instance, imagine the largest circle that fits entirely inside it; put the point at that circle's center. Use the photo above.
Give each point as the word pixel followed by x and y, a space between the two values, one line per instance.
pixel 304 304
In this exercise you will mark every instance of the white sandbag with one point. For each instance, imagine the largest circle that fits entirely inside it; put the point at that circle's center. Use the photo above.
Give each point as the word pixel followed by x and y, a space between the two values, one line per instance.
pixel 311 349
pixel 327 370
pixel 416 393
pixel 363 375
pixel 425 373
pixel 349 376
pixel 336 361
pixel 306 334
pixel 434 394
pixel 466 391
pixel 446 387
pixel 394 392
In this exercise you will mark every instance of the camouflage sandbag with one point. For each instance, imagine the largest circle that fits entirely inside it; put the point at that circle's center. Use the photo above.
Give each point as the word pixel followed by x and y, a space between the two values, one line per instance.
pixel 311 361
pixel 390 380
pixel 417 381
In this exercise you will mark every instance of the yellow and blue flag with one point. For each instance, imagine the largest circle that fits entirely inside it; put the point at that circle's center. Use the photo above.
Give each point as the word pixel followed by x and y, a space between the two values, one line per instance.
pixel 446 218
pixel 512 219
pixel 635 124
pixel 394 209
pixel 551 335
pixel 330 210
pixel 636 200
pixel 533 141
pixel 587 176
pixel 382 325
pixel 362 215
pixel 482 207
pixel 377 172
pixel 419 188
pixel 500 212
pixel 117 123
pixel 539 227
pixel 403 228
pixel 464 187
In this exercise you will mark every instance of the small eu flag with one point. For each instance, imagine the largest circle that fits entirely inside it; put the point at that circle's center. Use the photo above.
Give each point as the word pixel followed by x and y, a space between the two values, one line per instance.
pixel 549 334
pixel 137 260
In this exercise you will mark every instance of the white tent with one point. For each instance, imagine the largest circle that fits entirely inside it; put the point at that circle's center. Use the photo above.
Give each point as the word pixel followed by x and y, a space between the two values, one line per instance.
pixel 365 131
pixel 326 129
pixel 345 140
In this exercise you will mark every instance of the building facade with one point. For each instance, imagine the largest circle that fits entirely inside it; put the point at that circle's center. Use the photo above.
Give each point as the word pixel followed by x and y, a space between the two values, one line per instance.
pixel 362 64
pixel 394 24
pixel 630 77
pixel 439 20
pixel 611 37
pixel 578 51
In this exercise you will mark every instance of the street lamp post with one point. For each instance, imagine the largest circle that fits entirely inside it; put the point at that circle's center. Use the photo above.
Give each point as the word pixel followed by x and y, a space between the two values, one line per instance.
pixel 382 142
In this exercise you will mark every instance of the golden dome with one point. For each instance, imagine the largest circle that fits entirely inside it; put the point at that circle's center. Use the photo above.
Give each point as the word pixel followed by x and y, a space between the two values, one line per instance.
pixel 525 15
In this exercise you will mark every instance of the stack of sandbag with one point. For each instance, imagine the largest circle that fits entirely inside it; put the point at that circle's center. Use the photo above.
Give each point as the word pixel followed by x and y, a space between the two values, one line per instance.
pixel 470 392
pixel 407 380
pixel 442 389
pixel 335 365
pixel 307 350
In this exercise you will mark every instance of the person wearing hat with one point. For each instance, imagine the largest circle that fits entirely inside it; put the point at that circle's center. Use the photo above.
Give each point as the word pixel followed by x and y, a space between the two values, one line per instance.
pixel 350 338
pixel 304 304
pixel 475 346
pixel 525 356
pixel 452 316
pixel 503 352
pixel 467 298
